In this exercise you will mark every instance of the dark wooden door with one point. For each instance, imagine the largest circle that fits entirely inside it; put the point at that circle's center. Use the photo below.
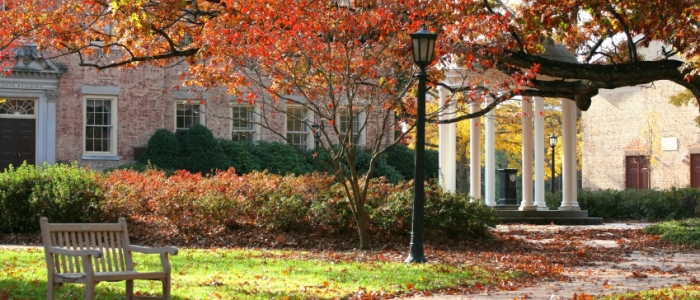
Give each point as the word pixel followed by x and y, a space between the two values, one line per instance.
pixel 695 170
pixel 17 142
pixel 636 172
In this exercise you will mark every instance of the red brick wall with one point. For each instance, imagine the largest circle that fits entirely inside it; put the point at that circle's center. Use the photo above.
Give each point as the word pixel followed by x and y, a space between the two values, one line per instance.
pixel 146 102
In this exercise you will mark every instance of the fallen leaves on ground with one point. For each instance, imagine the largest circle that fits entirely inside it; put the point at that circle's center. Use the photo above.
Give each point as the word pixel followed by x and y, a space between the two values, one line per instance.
pixel 539 253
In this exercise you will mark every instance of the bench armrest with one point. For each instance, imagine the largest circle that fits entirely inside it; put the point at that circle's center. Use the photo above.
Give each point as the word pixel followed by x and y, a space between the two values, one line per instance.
pixel 84 253
pixel 149 250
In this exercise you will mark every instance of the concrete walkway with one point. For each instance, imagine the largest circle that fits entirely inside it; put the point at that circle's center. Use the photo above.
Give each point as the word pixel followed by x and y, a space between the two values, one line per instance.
pixel 640 271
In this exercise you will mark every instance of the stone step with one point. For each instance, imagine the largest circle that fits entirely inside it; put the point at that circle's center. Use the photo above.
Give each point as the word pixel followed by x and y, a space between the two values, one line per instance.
pixel 548 221
pixel 544 213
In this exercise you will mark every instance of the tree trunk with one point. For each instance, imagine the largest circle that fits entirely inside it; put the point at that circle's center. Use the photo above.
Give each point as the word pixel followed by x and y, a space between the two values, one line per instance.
pixel 361 220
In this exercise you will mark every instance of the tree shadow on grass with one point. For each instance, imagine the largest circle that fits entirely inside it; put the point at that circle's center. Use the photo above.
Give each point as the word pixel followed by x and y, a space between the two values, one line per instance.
pixel 18 289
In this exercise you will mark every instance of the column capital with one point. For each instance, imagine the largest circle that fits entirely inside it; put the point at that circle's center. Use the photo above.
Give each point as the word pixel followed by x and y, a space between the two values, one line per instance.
pixel 52 95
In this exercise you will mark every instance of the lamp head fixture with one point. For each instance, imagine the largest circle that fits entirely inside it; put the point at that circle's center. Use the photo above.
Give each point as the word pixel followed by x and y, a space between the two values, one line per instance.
pixel 423 42
pixel 553 140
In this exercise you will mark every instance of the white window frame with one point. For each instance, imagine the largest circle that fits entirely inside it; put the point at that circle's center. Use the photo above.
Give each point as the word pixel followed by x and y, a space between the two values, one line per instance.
pixel 305 123
pixel 113 128
pixel 254 128
pixel 358 121
pixel 202 110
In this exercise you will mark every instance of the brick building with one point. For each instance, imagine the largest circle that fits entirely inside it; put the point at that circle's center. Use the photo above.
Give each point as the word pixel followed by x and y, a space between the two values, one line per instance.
pixel 634 138
pixel 56 111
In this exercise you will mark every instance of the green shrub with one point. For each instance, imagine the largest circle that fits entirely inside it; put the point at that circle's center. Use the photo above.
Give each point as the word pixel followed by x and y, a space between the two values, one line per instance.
pixel 200 152
pixel 62 193
pixel 362 160
pixel 240 156
pixel 453 214
pixel 163 150
pixel 284 212
pixel 402 159
pixel 279 158
pixel 381 167
pixel 646 205
pixel 432 164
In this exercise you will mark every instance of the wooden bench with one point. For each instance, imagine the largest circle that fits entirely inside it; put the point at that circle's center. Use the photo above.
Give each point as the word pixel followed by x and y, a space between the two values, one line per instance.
pixel 92 253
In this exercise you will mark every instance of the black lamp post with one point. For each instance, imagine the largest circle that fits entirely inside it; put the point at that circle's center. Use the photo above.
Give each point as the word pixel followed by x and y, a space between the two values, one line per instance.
pixel 552 144
pixel 317 134
pixel 423 42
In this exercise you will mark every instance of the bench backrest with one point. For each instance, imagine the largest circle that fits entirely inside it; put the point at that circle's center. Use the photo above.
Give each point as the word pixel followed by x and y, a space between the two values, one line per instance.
pixel 110 238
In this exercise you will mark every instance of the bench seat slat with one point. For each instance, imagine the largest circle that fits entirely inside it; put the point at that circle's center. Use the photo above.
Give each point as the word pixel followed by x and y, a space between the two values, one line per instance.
pixel 112 276
pixel 85 227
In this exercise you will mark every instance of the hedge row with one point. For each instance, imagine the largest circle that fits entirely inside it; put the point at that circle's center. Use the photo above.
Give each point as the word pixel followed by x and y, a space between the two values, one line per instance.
pixel 195 205
pixel 63 193
pixel 644 205
pixel 196 150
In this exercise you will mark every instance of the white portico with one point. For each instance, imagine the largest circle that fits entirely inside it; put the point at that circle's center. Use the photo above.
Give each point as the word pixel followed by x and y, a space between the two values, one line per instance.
pixel 533 144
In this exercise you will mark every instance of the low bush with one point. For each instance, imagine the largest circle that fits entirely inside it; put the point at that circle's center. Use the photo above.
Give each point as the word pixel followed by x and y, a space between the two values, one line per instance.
pixel 645 205
pixel 279 158
pixel 62 193
pixel 391 209
pixel 402 159
pixel 163 150
pixel 240 155
pixel 203 206
pixel 200 152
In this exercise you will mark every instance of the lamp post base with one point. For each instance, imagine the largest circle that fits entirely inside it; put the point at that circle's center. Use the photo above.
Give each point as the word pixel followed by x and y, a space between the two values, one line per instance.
pixel 416 255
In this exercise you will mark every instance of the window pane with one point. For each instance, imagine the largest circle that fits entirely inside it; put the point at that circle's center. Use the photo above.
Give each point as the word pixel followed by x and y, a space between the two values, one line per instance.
pixel 298 140
pixel 296 117
pixel 98 125
pixel 187 115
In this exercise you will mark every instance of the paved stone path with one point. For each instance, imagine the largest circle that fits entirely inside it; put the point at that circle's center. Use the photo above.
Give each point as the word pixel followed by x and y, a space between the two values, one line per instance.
pixel 605 277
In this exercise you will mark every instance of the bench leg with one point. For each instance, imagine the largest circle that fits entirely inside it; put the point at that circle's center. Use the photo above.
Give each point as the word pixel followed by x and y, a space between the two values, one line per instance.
pixel 90 291
pixel 51 289
pixel 129 289
pixel 166 288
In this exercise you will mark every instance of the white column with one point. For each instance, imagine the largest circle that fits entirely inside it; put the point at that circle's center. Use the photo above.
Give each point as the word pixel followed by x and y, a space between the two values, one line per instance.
pixel 568 111
pixel 448 143
pixel 539 154
pixel 51 98
pixel 527 203
pixel 490 144
pixel 475 154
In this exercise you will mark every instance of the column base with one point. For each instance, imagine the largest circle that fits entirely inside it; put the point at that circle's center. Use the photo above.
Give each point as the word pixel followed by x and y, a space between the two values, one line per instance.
pixel 542 208
pixel 526 208
pixel 569 207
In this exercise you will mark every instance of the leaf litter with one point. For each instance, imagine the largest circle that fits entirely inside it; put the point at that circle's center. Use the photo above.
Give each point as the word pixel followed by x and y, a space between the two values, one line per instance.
pixel 537 254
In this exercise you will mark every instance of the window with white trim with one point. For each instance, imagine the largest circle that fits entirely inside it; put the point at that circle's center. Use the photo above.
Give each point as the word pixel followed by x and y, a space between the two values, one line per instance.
pixel 243 123
pixel 346 117
pixel 188 113
pixel 297 130
pixel 100 121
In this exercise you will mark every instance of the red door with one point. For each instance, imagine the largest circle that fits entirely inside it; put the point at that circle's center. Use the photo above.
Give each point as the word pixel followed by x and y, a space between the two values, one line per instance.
pixel 636 172
pixel 695 170
pixel 17 142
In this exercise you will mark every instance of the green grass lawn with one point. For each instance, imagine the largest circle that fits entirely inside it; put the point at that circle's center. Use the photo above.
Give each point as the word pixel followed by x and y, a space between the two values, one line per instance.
pixel 687 292
pixel 248 274
pixel 682 232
